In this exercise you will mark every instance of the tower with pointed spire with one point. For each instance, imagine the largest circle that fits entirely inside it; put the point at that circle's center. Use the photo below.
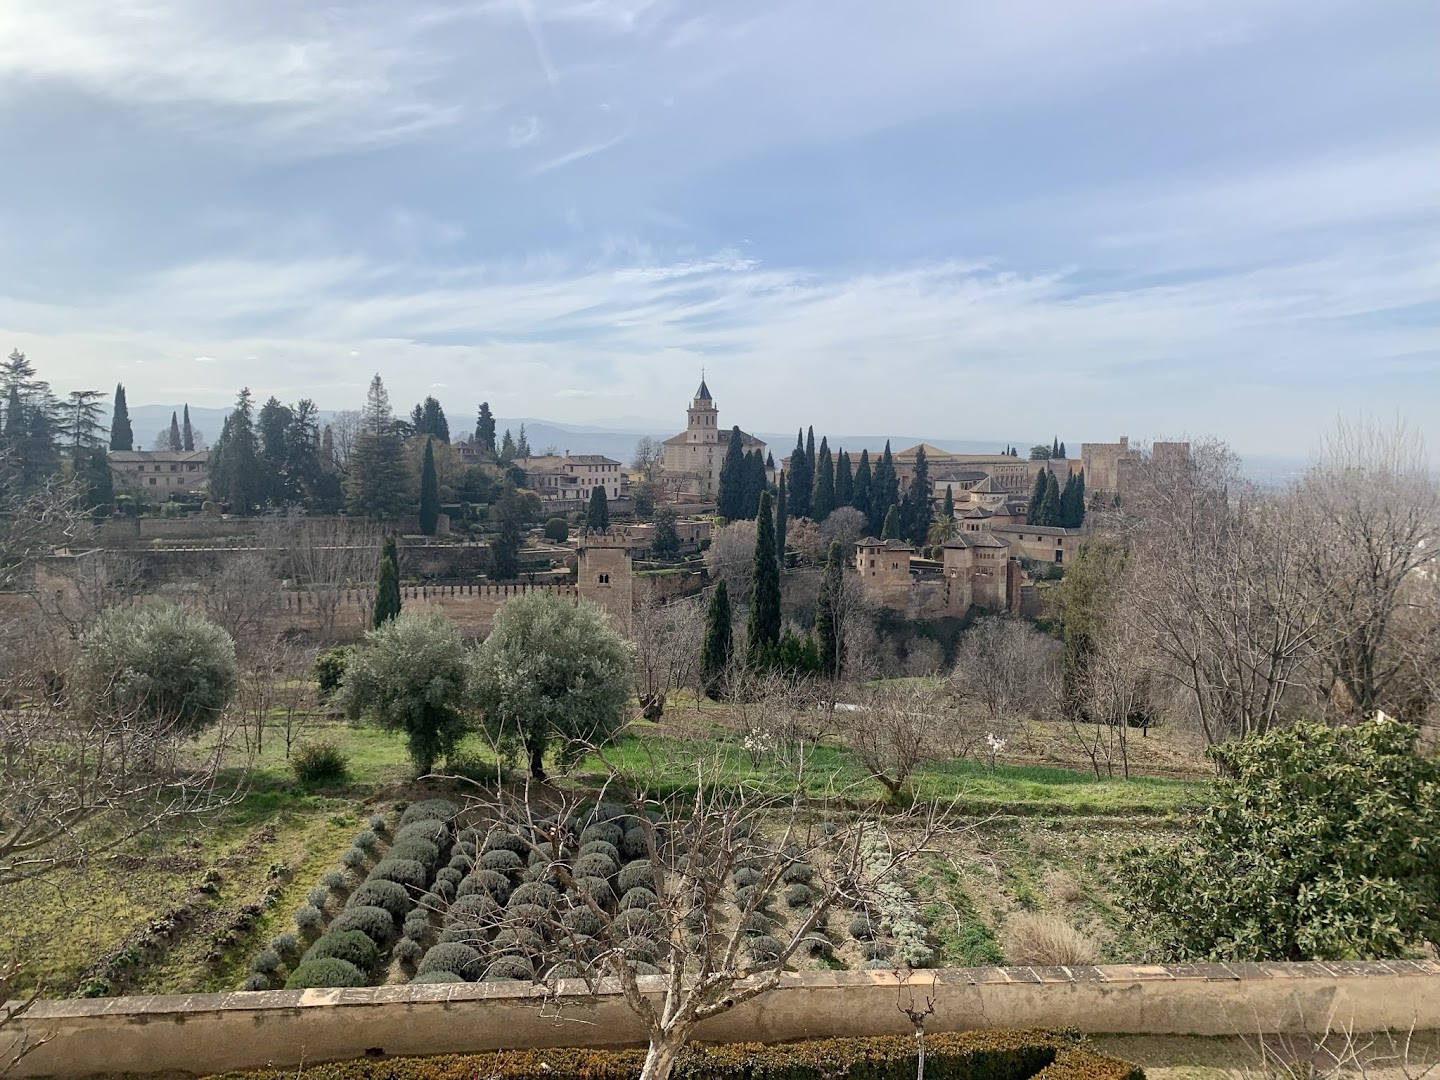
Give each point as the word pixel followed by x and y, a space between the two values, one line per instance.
pixel 697 454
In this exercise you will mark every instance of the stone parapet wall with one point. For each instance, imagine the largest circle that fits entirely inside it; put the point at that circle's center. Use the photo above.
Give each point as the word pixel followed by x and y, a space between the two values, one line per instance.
pixel 205 1033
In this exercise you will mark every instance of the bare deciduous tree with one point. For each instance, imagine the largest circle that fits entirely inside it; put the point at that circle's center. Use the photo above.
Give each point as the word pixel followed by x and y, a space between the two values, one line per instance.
pixel 649 459
pixel 243 599
pixel 344 429
pixel 326 557
pixel 731 558
pixel 668 638
pixel 895 728
pixel 1007 669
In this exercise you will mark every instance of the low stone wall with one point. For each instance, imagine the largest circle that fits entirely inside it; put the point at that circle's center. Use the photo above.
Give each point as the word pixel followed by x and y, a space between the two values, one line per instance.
pixel 206 1033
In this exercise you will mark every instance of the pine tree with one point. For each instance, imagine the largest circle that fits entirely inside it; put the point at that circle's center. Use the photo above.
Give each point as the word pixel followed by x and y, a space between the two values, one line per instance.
pixel 377 484
pixel 387 586
pixel 764 624
pixel 509 517
pixel 780 512
pixel 801 479
pixel 187 433
pixel 860 498
pixel 485 429
pixel 507 447
pixel 915 511
pixel 429 490
pixel 1037 496
pixel 827 613
pixel 92 466
pixel 81 422
pixel 884 489
pixel 730 499
pixel 121 437
pixel 844 480
pixel 597 517
pixel 236 475
pixel 719 641
pixel 522 444
pixel 429 420
pixel 665 543
pixel 1050 505
pixel 822 502
pixel 272 429
pixel 891 529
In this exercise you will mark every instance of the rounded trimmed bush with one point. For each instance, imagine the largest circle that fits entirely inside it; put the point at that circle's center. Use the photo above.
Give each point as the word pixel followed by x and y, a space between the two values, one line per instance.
pixel 417 925
pixel 408 951
pixel 256 981
pixel 876 965
pixel 641 898
pixel 334 880
pixel 634 844
pixel 429 810
pixel 431 977
pixel 642 948
pixel 505 840
pixel 638 875
pixel 375 823
pixel 285 944
pixel 466 932
pixel 374 922
pixel 489 883
pixel 430 832
pixel 744 876
pixel 583 921
pixel 630 923
pixel 757 922
pixel 694 920
pixel 450 874
pixel 597 888
pixel 520 940
pixel 750 896
pixel 501 860
pixel 319 762
pixel 544 854
pixel 798 895
pixel 509 968
pixel 763 947
pixel 861 928
pixel 309 917
pixel 451 956
pixel 475 906
pixel 421 851
pixel 596 864
pixel 352 946
pixel 640 967
pixel 817 946
pixel 603 830
pixel 406 872
pixel 353 858
pixel 529 915
pixel 876 950
pixel 365 840
pixel 330 971
pixel 462 862
pixel 316 897
pixel 798 873
pixel 266 961
pixel 382 893
pixel 566 969
pixel 440 895
pixel 535 892
pixel 601 847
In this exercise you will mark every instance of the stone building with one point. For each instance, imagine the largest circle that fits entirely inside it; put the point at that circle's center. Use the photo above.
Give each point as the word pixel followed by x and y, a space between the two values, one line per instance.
pixel 569 478
pixel 884 569
pixel 159 474
pixel 698 453
pixel 1107 465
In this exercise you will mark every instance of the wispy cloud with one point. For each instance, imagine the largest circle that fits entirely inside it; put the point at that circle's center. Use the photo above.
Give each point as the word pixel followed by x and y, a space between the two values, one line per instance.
pixel 578 154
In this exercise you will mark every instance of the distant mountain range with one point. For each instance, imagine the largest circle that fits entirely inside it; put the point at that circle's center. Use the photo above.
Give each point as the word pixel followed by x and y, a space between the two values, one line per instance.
pixel 618 441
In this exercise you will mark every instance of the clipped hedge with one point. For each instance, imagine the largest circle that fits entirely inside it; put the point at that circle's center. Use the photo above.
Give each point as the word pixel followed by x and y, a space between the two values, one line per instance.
pixel 349 945
pixel 328 971
pixel 382 894
pixel 970 1055
pixel 429 810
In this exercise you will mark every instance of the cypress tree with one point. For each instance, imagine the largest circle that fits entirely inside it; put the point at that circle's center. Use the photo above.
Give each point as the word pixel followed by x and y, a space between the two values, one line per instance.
pixel 1062 450
pixel 507 447
pixel 891 529
pixel 597 518
pixel 884 489
pixel 764 625
pixel 827 613
pixel 915 511
pixel 715 656
pixel 810 457
pixel 176 443
pixel 429 491
pixel 780 512
pixel 844 480
pixel 485 429
pixel 121 437
pixel 187 433
pixel 1079 520
pixel 801 479
pixel 730 498
pixel 387 586
pixel 1050 505
pixel 754 482
pixel 823 500
pixel 1037 496
pixel 947 512
pixel 861 496
pixel 1055 447
pixel 505 548
pixel 522 444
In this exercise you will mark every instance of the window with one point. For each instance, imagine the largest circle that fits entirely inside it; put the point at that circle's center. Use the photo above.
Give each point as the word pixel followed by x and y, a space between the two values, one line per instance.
pixel 1059 556
pixel 603 579
pixel 174 468
pixel 152 481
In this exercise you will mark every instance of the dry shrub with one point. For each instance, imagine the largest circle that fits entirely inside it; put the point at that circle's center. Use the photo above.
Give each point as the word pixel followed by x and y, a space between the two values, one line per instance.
pixel 1063 887
pixel 1047 940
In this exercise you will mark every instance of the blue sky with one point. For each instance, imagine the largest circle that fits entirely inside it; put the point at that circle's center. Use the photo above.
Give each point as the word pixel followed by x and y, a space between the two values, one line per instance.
pixel 989 220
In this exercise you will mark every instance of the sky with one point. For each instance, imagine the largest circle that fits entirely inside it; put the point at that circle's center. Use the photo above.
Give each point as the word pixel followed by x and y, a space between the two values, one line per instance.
pixel 973 219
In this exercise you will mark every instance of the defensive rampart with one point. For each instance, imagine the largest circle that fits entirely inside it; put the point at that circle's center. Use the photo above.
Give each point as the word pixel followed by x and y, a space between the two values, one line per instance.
pixel 206 1033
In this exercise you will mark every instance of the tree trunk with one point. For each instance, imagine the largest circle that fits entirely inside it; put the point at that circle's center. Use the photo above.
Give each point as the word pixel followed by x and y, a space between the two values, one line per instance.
pixel 537 763
pixel 660 1059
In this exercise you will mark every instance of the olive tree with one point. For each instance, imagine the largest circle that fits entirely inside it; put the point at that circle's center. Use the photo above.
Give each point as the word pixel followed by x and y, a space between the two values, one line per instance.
pixel 165 666
pixel 552 670
pixel 410 676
